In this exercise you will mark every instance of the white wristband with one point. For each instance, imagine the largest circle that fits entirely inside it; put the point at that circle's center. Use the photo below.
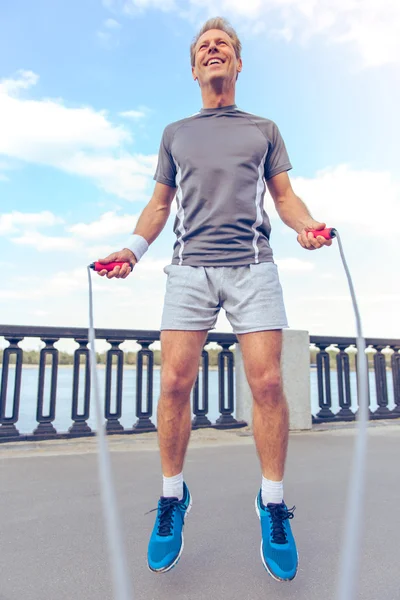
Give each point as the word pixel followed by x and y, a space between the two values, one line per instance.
pixel 138 245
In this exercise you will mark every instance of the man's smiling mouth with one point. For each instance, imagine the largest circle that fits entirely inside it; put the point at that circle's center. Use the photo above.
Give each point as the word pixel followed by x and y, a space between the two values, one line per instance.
pixel 214 61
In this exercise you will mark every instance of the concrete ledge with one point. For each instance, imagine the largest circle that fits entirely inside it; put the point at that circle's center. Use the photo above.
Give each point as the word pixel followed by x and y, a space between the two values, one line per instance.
pixel 296 380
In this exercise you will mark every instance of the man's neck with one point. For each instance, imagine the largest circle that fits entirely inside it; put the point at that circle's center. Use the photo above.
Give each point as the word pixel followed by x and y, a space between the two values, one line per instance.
pixel 217 98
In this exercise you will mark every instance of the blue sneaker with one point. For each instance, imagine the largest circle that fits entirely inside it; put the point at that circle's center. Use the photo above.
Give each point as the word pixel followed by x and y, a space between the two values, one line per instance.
pixel 278 548
pixel 166 541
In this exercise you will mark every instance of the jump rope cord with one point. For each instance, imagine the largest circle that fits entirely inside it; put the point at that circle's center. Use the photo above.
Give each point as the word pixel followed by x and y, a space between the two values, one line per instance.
pixel 350 558
pixel 121 584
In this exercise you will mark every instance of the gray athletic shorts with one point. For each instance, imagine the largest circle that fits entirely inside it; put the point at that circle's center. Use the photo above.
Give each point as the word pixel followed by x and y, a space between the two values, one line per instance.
pixel 250 295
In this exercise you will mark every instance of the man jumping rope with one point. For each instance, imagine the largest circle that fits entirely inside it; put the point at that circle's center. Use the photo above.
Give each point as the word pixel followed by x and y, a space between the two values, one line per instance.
pixel 217 164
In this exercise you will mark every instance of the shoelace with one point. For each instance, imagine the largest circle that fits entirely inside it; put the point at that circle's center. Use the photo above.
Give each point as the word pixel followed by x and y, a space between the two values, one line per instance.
pixel 166 510
pixel 279 514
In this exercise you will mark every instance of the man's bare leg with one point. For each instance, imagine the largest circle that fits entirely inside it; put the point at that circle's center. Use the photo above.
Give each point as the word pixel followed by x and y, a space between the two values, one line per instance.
pixel 261 356
pixel 180 355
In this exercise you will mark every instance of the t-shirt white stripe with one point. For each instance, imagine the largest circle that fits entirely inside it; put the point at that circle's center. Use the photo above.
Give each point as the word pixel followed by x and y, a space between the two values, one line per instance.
pixel 258 201
pixel 180 214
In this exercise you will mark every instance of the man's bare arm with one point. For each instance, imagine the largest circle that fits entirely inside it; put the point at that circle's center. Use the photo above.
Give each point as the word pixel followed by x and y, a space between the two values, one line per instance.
pixel 294 213
pixel 155 215
pixel 150 224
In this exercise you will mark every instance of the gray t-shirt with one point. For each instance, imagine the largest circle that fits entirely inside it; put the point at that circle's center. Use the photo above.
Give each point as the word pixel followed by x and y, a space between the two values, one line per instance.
pixel 219 160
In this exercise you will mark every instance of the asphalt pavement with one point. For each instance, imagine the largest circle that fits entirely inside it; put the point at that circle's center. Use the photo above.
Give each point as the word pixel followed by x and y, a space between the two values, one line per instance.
pixel 52 542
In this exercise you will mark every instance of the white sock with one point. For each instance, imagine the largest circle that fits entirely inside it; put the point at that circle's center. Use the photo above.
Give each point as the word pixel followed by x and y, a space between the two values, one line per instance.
pixel 173 486
pixel 271 491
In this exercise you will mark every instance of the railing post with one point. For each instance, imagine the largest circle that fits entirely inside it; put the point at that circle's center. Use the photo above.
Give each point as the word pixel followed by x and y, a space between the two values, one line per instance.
pixel 144 422
pixel 113 425
pixel 343 374
pixel 45 429
pixel 226 400
pixel 7 424
pixel 395 364
pixel 295 373
pixel 200 414
pixel 324 385
pixel 80 426
pixel 382 397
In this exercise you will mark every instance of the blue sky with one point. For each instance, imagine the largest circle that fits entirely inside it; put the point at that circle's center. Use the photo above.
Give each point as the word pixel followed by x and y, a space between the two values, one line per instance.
pixel 86 89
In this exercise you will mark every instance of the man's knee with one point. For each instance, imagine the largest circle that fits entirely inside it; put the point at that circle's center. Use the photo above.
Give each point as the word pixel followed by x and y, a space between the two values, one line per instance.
pixel 175 383
pixel 267 387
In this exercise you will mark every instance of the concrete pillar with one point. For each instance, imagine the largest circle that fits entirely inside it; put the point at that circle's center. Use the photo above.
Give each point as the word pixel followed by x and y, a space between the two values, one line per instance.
pixel 296 380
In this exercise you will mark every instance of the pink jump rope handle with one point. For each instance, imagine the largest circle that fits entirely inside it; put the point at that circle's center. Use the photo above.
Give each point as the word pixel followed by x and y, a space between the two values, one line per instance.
pixel 328 233
pixel 97 266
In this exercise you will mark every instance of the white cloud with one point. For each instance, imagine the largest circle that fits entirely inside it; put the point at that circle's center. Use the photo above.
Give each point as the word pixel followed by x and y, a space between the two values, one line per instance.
pixel 149 267
pixel 343 196
pixel 126 176
pixel 79 238
pixel 375 30
pixel 373 26
pixel 109 224
pixel 45 130
pixel 294 264
pixel 6 165
pixel 61 284
pixel 12 222
pixel 44 243
pixel 133 114
pixel 12 294
pixel 71 280
pixel 132 7
pixel 135 302
pixel 112 24
pixel 23 81
pixel 340 195
pixel 80 140
pixel 107 35
pixel 94 252
pixel 104 37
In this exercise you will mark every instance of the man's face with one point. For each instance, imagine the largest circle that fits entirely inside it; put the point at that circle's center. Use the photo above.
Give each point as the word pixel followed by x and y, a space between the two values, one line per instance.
pixel 215 58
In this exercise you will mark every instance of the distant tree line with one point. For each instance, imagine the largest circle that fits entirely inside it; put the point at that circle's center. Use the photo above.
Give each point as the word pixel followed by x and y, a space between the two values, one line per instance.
pixel 31 357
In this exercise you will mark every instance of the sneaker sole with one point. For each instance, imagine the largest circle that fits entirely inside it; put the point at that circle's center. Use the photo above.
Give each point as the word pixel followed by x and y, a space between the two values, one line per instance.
pixel 263 560
pixel 173 564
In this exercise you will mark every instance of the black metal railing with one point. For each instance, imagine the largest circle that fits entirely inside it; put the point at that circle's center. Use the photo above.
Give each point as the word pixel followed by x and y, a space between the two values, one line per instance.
pixel 48 370
pixel 343 378
pixel 333 399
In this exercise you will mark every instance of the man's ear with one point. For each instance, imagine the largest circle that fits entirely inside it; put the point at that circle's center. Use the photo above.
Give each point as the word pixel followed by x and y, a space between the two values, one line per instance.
pixel 194 74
